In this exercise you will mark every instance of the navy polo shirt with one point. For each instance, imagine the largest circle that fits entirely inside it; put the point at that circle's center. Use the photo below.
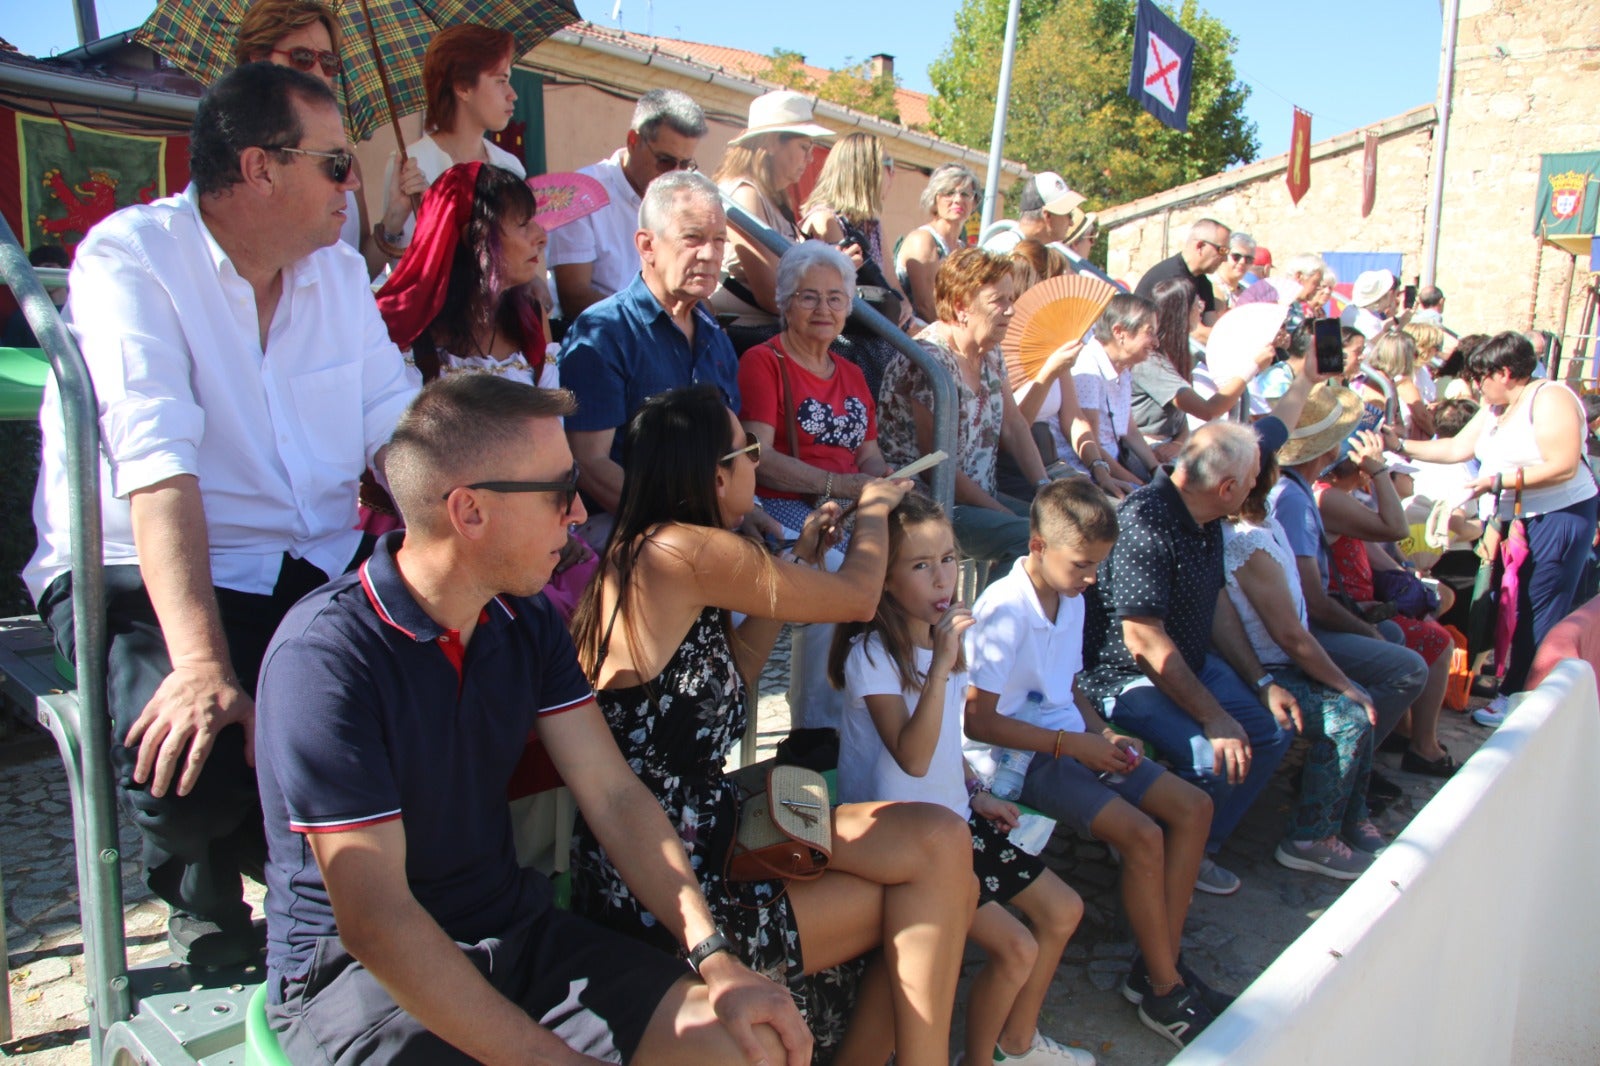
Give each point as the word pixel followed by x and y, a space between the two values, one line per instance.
pixel 625 349
pixel 368 713
pixel 1164 565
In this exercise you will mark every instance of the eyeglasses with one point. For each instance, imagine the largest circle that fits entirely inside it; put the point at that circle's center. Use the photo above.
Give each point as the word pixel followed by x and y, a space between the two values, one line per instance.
pixel 811 299
pixel 665 162
pixel 336 164
pixel 568 488
pixel 1213 244
pixel 752 448
pixel 1240 257
pixel 303 59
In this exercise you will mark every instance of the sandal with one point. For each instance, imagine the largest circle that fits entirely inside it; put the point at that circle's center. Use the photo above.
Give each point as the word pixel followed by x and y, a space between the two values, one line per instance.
pixel 1443 766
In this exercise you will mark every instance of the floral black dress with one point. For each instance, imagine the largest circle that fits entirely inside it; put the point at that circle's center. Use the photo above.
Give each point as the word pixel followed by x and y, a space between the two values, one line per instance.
pixel 676 733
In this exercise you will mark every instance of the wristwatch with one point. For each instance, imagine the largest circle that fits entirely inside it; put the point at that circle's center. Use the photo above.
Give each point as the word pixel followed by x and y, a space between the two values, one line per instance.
pixel 706 948
pixel 1264 682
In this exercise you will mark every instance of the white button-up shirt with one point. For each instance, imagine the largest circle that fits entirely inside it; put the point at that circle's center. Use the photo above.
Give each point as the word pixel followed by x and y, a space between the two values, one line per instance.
pixel 604 238
pixel 277 438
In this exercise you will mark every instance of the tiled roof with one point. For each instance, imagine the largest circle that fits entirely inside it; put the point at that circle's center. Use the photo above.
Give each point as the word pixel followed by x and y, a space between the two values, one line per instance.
pixel 913 106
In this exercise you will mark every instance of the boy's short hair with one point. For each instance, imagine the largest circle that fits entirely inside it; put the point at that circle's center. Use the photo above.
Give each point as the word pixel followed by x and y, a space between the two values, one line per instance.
pixel 1072 511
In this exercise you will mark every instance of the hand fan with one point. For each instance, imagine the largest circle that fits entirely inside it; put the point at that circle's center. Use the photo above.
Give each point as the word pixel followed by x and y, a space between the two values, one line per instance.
pixel 562 198
pixel 1049 315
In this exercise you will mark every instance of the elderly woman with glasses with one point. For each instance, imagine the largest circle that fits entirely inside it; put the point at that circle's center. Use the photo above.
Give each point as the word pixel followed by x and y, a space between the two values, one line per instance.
pixel 304 34
pixel 949 199
pixel 814 414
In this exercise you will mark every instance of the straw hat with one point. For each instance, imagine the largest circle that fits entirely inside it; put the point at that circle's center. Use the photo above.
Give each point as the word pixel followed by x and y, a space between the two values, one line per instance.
pixel 782 111
pixel 1330 415
pixel 1084 224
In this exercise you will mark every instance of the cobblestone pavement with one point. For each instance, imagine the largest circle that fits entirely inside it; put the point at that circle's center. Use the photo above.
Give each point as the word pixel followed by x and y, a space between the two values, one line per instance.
pixel 1228 940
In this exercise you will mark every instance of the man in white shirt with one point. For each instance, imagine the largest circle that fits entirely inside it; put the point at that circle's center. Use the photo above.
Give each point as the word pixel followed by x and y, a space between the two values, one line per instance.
pixel 244 380
pixel 595 256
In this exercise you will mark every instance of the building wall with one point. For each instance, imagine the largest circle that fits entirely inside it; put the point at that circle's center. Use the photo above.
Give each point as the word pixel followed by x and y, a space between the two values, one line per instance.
pixel 1526 78
pixel 1525 81
pixel 1256 200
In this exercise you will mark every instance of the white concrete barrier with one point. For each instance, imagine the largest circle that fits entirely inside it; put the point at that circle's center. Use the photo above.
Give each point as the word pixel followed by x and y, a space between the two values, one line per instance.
pixel 1475 938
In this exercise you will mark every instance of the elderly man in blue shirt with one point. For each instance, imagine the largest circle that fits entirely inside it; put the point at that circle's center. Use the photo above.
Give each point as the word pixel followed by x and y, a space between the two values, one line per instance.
pixel 652 336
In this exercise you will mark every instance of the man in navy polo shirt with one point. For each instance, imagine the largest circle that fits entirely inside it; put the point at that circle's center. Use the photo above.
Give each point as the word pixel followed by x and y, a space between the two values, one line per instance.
pixel 394 704
pixel 652 336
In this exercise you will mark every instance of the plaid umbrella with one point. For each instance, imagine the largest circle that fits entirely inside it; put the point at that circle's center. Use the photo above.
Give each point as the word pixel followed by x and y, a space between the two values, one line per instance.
pixel 198 36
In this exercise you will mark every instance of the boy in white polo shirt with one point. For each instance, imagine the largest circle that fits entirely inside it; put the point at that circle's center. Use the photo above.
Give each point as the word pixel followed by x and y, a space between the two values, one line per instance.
pixel 1023 654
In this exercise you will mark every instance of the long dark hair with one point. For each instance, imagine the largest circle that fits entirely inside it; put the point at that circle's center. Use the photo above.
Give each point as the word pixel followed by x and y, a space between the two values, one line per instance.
pixel 1174 300
pixel 889 622
pixel 671 452
pixel 473 297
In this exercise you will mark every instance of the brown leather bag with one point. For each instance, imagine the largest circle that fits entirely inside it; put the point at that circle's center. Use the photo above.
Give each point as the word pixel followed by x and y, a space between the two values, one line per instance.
pixel 785 828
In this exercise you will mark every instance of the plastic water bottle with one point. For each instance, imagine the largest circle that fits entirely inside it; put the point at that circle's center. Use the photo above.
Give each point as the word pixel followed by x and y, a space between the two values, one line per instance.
pixel 1012 766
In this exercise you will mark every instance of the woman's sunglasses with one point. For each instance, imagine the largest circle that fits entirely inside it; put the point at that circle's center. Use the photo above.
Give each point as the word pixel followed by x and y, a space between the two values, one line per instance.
pixel 303 59
pixel 336 164
pixel 752 448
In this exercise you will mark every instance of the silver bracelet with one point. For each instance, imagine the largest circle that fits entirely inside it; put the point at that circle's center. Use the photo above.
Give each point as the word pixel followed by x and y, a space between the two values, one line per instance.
pixel 827 487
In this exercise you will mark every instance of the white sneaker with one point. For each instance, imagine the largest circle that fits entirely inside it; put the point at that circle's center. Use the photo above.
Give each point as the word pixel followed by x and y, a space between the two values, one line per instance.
pixel 1215 880
pixel 1493 713
pixel 1046 1050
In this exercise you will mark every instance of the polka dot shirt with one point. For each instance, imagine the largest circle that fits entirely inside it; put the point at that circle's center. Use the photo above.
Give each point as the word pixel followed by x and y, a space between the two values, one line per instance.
pixel 1164 565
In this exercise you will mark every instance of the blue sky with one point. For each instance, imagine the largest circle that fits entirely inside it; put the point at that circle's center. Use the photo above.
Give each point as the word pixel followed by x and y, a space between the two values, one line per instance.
pixel 1354 64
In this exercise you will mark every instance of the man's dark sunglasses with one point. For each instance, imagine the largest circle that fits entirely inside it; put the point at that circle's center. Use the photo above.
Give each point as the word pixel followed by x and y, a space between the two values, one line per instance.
pixel 303 59
pixel 336 164
pixel 568 488
pixel 665 162
pixel 1242 257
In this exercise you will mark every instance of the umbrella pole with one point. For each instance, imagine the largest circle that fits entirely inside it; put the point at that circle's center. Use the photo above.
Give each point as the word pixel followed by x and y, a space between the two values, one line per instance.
pixel 388 93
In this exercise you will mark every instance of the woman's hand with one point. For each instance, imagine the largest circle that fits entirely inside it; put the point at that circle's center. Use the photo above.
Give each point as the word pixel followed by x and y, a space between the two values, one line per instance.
pixel 1101 755
pixel 406 182
pixel 947 638
pixel 1367 451
pixel 882 492
pixel 1480 485
pixel 1060 359
pixel 988 805
pixel 1101 475
pixel 575 552
pixel 855 254
pixel 1265 358
pixel 820 533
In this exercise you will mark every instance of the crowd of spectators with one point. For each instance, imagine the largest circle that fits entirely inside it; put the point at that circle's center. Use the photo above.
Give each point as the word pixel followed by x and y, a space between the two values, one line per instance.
pixel 591 548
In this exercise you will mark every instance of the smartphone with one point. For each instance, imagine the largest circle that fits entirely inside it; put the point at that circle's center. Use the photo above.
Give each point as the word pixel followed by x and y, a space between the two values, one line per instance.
pixel 1329 347
pixel 1409 294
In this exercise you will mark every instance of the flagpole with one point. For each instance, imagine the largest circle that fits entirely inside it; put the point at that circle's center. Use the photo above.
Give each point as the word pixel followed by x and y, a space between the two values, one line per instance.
pixel 1447 79
pixel 997 139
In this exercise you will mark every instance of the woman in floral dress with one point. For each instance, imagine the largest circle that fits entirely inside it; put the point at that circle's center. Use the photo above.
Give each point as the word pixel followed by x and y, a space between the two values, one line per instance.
pixel 671 673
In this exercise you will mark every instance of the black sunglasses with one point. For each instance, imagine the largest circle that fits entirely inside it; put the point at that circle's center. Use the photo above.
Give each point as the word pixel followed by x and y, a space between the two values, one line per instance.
pixel 568 488
pixel 665 162
pixel 336 164
pixel 303 59
pixel 1240 257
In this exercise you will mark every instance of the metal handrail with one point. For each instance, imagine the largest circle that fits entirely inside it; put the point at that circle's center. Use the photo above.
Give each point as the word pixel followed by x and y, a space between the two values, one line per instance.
pixel 942 477
pixel 1391 400
pixel 100 893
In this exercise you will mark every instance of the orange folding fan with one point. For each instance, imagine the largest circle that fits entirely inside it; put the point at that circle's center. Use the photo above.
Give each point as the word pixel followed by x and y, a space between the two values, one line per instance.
pixel 1049 315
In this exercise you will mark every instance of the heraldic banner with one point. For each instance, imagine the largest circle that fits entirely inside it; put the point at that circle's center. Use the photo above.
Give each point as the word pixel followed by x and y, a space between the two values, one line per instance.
pixel 1569 186
pixel 69 176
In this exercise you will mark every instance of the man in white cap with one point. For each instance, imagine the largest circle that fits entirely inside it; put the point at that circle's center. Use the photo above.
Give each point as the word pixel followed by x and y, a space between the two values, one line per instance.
pixel 1046 205
pixel 595 256
pixel 1372 302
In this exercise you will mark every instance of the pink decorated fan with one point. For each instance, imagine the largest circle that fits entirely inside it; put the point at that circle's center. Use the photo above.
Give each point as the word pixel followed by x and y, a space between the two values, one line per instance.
pixel 563 198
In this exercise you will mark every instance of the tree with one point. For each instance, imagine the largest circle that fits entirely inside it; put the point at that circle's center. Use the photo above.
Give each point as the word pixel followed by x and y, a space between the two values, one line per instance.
pixel 852 86
pixel 1069 109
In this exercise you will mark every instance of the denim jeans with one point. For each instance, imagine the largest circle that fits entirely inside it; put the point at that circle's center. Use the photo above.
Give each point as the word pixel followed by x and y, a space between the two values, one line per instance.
pixel 1392 673
pixel 995 536
pixel 1146 712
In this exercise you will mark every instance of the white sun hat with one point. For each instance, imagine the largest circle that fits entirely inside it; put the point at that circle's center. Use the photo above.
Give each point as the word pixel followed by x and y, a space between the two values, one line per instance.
pixel 783 111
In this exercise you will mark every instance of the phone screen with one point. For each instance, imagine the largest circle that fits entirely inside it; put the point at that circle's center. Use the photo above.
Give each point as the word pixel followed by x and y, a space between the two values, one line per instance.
pixel 1410 294
pixel 1330 351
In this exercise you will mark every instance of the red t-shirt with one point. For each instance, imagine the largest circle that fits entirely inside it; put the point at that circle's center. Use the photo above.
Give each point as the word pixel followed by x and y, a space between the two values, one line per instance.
pixel 834 416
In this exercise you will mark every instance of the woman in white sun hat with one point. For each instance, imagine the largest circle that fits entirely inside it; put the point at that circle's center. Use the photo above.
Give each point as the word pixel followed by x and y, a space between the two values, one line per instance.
pixel 760 166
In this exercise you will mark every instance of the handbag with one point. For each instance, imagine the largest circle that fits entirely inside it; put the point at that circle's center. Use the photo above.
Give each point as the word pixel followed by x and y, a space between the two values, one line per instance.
pixel 785 825
pixel 1484 613
pixel 1410 596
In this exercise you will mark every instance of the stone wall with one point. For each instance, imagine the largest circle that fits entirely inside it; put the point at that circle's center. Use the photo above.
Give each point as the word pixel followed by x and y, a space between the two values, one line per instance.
pixel 1255 199
pixel 1525 82
pixel 1527 72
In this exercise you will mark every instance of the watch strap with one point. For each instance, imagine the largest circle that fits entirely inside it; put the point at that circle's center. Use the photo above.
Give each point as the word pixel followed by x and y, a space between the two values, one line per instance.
pixel 706 948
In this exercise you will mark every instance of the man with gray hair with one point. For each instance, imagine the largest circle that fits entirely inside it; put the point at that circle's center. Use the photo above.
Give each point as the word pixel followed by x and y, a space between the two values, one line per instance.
pixel 652 336
pixel 1202 253
pixel 594 256
pixel 1165 653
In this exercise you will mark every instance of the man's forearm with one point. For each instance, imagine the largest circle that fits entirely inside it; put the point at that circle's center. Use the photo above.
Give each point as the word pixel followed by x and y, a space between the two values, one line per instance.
pixel 1322 610
pixel 1159 660
pixel 601 480
pixel 169 535
pixel 1232 643
pixel 642 844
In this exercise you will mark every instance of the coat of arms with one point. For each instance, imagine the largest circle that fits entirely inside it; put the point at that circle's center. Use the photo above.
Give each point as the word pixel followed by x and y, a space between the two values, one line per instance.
pixel 1566 194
